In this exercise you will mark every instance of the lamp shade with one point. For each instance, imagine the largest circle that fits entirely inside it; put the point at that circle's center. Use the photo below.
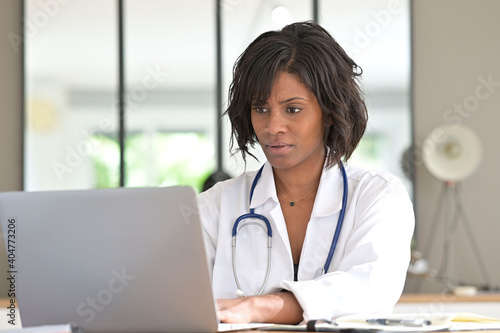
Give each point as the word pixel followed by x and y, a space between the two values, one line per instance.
pixel 452 152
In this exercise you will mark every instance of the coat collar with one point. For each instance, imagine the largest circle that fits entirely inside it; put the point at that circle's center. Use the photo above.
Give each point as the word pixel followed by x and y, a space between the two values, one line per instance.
pixel 265 188
pixel 330 191
pixel 328 199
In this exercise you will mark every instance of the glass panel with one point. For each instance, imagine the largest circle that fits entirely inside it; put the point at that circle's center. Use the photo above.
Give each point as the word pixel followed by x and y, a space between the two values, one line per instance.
pixel 170 104
pixel 376 34
pixel 167 162
pixel 71 74
pixel 70 68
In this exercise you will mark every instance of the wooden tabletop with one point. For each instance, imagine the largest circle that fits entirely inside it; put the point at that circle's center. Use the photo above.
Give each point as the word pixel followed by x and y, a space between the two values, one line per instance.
pixel 431 298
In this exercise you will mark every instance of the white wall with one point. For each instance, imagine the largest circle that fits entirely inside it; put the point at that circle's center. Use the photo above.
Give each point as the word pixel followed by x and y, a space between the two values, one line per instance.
pixel 456 48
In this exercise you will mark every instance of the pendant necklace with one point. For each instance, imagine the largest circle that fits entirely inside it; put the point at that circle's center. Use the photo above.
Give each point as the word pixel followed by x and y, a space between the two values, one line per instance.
pixel 292 202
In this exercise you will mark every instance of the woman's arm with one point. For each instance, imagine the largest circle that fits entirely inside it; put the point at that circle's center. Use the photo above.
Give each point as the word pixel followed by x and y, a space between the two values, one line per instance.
pixel 278 308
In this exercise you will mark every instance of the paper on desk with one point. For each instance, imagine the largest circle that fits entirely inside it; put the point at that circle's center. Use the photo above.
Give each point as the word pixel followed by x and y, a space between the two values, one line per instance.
pixel 440 321
pixel 324 327
pixel 474 318
pixel 471 321
pixel 359 323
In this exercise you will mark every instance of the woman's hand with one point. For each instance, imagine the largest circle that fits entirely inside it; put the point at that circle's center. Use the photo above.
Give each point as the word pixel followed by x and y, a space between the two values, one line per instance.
pixel 237 310
pixel 278 308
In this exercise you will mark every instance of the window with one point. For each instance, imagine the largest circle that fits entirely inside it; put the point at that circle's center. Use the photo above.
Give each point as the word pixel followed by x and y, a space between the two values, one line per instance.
pixel 376 34
pixel 71 134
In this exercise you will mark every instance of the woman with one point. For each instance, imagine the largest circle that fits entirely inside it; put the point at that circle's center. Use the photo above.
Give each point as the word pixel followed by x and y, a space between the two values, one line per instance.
pixel 295 93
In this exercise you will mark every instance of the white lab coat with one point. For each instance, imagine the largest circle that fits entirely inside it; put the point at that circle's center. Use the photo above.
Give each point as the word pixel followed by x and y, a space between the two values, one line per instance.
pixel 369 266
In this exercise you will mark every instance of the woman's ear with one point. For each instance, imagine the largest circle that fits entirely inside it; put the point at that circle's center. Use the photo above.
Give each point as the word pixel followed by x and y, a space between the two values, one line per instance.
pixel 329 121
pixel 328 125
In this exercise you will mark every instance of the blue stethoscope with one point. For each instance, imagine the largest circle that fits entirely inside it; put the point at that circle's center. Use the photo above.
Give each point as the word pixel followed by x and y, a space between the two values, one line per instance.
pixel 269 231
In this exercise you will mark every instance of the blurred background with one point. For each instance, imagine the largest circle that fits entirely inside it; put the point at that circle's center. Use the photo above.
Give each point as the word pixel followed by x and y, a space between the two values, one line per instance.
pixel 170 67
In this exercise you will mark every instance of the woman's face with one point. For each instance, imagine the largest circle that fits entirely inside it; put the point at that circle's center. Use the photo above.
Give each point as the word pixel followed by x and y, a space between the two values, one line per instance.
pixel 289 125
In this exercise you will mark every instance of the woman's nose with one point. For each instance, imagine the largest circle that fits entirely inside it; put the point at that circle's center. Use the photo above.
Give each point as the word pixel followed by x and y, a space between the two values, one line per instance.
pixel 275 123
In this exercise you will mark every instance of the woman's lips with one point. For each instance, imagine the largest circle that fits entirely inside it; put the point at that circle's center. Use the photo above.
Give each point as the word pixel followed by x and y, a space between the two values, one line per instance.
pixel 278 147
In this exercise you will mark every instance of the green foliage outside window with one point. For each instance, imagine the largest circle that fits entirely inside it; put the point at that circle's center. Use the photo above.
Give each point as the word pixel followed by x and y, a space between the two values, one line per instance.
pixel 157 159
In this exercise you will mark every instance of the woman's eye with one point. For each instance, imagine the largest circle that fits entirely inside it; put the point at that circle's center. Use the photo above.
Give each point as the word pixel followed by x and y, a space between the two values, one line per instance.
pixel 259 109
pixel 293 110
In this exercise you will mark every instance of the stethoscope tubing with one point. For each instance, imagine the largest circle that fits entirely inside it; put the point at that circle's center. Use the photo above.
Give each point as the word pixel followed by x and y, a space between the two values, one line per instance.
pixel 268 230
pixel 339 222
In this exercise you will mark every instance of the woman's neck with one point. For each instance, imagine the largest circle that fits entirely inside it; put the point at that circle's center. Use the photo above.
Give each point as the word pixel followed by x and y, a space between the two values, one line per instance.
pixel 297 181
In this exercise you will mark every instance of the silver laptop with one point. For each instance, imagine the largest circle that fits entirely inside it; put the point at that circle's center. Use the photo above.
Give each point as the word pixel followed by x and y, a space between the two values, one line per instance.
pixel 109 260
